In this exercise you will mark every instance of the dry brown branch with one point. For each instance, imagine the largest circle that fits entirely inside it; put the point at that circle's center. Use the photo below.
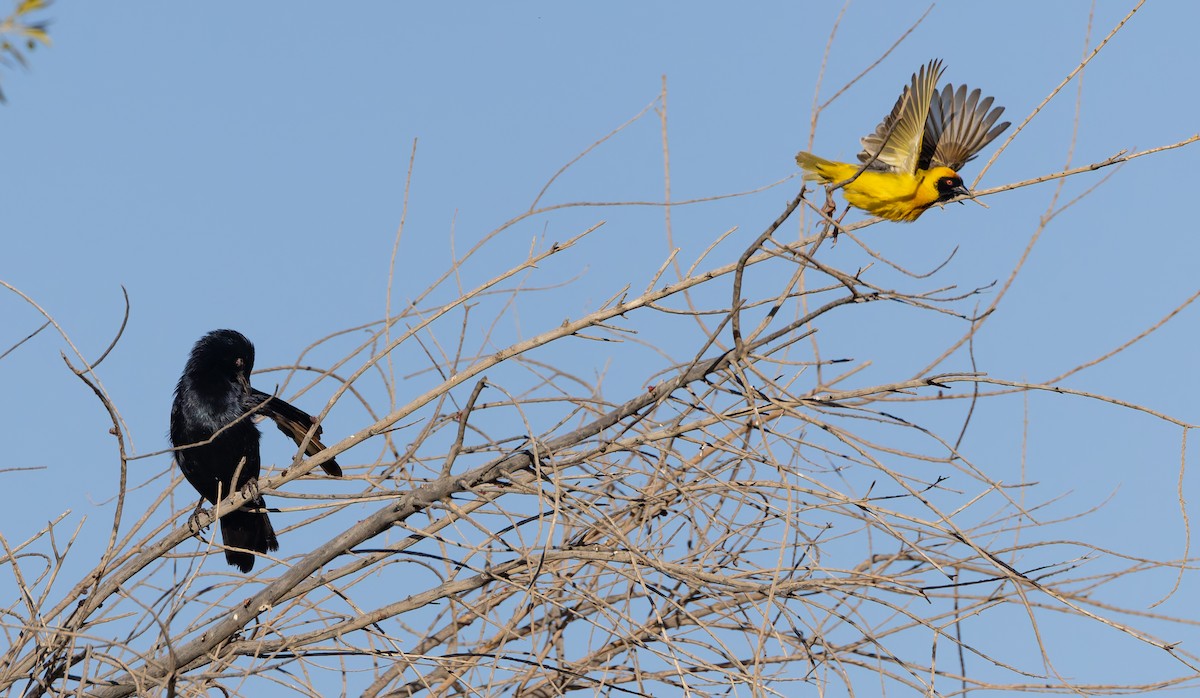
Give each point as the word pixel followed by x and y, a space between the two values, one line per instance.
pixel 658 494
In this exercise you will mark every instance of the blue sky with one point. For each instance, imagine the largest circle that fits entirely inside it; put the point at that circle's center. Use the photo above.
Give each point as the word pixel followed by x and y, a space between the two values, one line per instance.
pixel 243 165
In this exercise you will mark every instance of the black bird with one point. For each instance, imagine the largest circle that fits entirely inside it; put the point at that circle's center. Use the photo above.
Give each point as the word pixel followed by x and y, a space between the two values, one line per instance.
pixel 212 425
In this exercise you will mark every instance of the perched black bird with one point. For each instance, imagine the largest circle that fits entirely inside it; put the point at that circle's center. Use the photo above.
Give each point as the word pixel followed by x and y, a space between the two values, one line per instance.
pixel 212 425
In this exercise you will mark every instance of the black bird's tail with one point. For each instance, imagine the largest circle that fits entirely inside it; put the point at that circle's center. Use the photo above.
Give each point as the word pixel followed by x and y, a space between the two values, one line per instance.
pixel 250 530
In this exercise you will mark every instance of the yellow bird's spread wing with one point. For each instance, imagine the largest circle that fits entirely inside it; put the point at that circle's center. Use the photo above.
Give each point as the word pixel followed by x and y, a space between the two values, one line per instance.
pixel 897 140
pixel 959 126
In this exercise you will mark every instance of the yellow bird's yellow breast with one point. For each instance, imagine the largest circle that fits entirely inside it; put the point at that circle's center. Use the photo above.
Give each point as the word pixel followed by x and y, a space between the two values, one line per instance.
pixel 892 195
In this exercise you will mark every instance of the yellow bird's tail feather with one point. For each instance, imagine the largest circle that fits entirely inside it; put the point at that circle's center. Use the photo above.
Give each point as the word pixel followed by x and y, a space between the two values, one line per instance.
pixel 827 171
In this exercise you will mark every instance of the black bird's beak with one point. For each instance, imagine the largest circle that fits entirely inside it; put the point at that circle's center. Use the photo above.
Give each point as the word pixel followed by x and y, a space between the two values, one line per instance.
pixel 960 191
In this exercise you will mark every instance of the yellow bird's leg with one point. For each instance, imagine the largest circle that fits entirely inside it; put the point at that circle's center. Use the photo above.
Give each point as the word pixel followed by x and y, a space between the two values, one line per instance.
pixel 829 209
pixel 837 226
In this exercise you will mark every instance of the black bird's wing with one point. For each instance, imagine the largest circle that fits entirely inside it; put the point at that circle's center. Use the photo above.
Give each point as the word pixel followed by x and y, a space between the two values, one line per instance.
pixel 292 421
pixel 959 126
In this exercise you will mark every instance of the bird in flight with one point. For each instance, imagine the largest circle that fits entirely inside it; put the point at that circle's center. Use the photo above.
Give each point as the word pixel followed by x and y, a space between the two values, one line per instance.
pixel 216 440
pixel 911 161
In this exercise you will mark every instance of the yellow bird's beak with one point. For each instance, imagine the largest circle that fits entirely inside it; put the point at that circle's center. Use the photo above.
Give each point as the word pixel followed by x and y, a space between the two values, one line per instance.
pixel 953 193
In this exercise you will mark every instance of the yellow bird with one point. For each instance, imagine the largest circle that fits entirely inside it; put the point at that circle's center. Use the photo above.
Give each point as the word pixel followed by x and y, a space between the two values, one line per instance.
pixel 911 160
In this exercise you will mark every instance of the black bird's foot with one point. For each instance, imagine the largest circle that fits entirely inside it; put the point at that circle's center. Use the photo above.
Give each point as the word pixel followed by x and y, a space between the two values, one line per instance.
pixel 251 489
pixel 194 520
